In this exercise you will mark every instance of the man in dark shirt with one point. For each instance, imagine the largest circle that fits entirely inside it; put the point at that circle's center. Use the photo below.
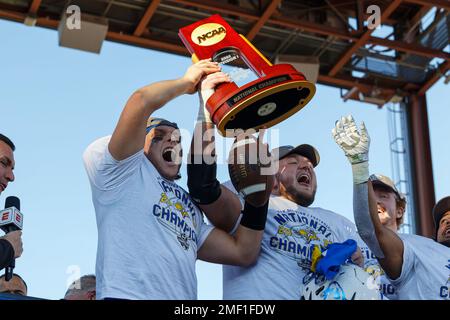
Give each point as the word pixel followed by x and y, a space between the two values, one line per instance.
pixel 10 244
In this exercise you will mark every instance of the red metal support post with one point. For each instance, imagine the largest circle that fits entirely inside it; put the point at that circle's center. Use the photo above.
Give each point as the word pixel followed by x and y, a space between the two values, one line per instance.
pixel 421 164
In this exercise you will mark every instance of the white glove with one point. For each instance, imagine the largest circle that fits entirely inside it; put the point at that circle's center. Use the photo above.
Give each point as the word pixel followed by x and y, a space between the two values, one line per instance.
pixel 203 113
pixel 355 145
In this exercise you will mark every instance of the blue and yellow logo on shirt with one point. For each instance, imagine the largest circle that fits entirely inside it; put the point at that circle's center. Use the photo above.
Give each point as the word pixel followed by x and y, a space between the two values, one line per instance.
pixel 176 212
pixel 300 237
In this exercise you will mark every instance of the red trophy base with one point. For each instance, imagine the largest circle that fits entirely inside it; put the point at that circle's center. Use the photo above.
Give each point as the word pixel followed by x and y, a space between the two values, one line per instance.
pixel 261 103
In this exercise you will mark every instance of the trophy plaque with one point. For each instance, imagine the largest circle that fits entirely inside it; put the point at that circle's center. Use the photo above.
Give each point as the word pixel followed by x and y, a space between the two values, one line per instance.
pixel 260 94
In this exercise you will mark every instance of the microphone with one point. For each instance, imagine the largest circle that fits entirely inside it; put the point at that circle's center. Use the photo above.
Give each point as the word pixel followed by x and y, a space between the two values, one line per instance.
pixel 11 219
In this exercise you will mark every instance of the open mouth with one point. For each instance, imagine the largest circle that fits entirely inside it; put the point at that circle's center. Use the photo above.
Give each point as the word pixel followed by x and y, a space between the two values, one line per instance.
pixel 381 209
pixel 446 233
pixel 2 186
pixel 304 179
pixel 169 155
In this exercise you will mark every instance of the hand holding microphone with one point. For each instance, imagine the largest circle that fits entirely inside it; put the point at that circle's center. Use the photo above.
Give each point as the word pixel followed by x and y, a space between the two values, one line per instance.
pixel 15 239
pixel 11 222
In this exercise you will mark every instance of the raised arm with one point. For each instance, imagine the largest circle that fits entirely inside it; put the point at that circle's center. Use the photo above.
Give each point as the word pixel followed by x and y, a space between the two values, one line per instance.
pixel 242 248
pixel 129 135
pixel 221 206
pixel 390 242
pixel 383 242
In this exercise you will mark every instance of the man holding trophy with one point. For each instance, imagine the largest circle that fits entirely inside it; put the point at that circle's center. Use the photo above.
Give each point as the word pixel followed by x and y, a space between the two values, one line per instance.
pixel 150 232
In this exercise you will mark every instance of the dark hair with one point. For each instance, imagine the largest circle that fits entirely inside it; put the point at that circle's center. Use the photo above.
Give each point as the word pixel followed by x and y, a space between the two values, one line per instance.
pixel 6 140
pixel 16 275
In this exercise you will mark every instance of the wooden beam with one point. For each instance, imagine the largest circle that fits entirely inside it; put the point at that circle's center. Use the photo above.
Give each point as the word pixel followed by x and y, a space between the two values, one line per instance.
pixel 434 78
pixel 363 39
pixel 146 18
pixel 266 15
pixel 34 7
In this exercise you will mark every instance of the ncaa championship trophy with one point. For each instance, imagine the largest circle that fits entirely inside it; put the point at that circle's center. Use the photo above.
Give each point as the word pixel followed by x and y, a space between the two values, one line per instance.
pixel 261 94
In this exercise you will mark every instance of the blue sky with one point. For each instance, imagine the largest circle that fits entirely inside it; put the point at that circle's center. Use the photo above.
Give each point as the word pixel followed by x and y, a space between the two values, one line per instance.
pixel 55 101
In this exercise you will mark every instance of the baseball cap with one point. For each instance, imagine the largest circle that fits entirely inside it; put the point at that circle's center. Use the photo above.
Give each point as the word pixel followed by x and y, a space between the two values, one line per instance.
pixel 153 122
pixel 305 150
pixel 440 209
pixel 379 179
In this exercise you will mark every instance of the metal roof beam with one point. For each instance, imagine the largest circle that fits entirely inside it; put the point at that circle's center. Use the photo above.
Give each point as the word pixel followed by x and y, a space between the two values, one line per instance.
pixel 112 36
pixel 342 81
pixel 315 28
pixel 435 77
pixel 146 18
pixel 260 23
pixel 350 94
pixel 217 7
pixel 363 39
pixel 146 43
pixel 339 15
pixel 351 82
pixel 444 4
pixel 34 7
pixel 415 22
pixel 411 48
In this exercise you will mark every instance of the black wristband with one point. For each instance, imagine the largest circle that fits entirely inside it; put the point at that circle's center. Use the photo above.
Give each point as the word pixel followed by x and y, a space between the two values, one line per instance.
pixel 6 253
pixel 254 217
pixel 204 188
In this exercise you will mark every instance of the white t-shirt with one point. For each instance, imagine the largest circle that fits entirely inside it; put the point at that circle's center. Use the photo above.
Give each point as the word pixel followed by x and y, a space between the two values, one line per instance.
pixel 426 270
pixel 372 267
pixel 291 233
pixel 149 230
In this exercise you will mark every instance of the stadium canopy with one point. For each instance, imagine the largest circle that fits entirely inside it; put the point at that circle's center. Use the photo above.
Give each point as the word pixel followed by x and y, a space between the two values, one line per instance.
pixel 397 64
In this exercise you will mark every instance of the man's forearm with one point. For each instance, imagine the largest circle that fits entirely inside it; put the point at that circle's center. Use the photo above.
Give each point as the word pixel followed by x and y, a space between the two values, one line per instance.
pixel 156 95
pixel 249 233
pixel 202 182
pixel 241 249
pixel 385 243
pixel 221 206
pixel 364 219
pixel 248 244
pixel 129 135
